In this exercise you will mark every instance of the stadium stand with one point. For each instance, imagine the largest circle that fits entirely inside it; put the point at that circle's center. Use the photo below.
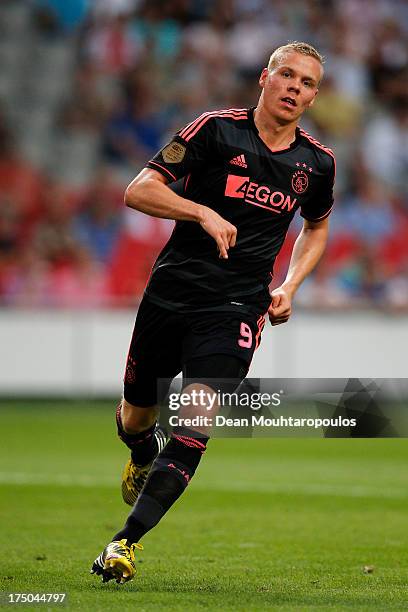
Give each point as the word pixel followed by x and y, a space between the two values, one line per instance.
pixel 89 90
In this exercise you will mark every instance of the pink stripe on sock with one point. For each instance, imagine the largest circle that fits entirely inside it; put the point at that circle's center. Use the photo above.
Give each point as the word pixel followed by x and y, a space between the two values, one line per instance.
pixel 191 442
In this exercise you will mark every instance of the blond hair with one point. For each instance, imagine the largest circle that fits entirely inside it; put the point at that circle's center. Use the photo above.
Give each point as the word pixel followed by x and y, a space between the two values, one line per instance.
pixel 299 47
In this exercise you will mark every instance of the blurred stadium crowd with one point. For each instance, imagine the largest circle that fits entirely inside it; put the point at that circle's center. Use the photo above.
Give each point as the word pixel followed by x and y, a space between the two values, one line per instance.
pixel 90 89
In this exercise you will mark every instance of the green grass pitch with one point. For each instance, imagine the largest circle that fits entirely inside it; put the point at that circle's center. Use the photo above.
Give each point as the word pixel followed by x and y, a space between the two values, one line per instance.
pixel 271 524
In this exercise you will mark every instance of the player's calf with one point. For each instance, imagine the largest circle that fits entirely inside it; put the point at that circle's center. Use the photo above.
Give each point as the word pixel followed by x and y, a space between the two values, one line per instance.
pixel 145 446
pixel 170 474
pixel 145 443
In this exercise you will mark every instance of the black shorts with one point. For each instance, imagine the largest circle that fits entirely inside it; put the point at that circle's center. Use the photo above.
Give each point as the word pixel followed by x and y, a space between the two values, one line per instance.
pixel 166 342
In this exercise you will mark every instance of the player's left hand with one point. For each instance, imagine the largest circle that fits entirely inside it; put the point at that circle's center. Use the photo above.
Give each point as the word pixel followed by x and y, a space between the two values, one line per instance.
pixel 281 306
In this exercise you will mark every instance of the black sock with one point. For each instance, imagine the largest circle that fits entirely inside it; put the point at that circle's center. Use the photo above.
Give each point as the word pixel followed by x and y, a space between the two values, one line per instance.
pixel 171 472
pixel 144 445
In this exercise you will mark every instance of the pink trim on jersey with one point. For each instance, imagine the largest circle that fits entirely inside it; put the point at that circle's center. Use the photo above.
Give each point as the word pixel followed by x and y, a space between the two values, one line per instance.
pixel 184 131
pixel 187 181
pixel 165 169
pixel 316 142
pixel 261 324
pixel 192 128
pixel 204 121
pixel 319 218
pixel 278 212
pixel 319 144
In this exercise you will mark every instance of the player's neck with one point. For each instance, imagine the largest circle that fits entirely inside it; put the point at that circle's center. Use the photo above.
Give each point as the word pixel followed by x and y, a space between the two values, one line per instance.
pixel 275 135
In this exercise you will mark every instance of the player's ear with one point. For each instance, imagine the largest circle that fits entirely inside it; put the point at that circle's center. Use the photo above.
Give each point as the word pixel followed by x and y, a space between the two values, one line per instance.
pixel 313 99
pixel 263 77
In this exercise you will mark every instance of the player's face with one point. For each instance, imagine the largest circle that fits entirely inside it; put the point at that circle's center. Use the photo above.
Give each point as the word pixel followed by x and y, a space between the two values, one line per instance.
pixel 290 87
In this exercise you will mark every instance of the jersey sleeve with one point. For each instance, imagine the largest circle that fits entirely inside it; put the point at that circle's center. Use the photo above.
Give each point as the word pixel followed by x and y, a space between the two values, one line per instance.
pixel 190 149
pixel 320 205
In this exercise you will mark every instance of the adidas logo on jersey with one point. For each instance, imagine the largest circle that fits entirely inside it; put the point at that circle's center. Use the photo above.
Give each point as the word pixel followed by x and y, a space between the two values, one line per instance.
pixel 239 160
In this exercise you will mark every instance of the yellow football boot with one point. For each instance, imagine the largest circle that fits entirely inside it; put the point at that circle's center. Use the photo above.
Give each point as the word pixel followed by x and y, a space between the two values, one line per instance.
pixel 116 561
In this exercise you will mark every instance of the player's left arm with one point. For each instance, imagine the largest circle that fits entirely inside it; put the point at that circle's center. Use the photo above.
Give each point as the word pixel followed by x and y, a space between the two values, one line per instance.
pixel 307 250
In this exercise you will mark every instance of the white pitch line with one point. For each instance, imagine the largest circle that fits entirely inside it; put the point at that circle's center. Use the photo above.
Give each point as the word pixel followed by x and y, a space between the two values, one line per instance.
pixel 86 480
pixel 322 489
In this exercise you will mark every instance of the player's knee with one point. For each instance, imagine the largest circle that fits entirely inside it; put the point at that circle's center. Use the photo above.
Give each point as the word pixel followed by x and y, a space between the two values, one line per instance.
pixel 136 419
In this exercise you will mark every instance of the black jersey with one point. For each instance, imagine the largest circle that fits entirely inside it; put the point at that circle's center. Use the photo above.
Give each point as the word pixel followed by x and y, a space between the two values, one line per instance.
pixel 228 167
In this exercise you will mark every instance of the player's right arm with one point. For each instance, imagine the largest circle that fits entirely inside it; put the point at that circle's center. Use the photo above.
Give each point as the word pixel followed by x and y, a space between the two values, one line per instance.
pixel 149 193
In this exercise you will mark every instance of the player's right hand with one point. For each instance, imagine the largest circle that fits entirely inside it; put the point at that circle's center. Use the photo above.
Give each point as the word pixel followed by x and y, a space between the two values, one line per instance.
pixel 280 308
pixel 223 232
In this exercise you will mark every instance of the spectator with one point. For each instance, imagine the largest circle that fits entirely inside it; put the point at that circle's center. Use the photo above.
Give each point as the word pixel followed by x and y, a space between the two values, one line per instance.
pixel 98 225
pixel 385 145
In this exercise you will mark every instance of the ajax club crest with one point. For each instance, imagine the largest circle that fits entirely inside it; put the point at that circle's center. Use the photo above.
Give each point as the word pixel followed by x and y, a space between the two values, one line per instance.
pixel 300 181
